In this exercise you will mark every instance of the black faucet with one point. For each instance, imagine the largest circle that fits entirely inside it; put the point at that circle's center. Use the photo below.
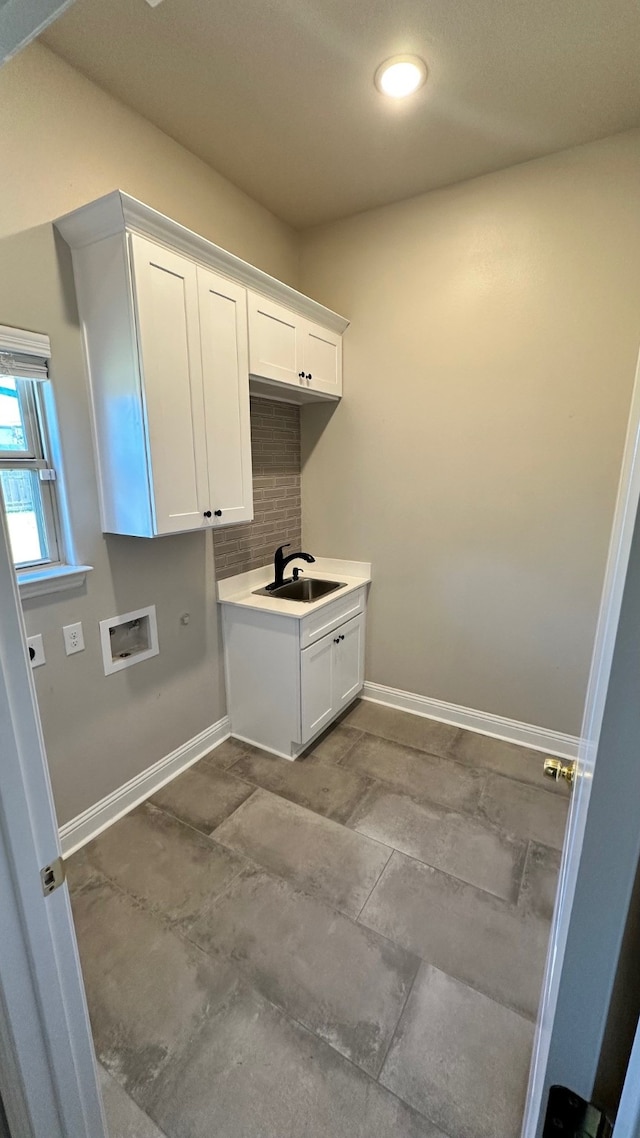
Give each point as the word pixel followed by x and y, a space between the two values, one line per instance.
pixel 280 563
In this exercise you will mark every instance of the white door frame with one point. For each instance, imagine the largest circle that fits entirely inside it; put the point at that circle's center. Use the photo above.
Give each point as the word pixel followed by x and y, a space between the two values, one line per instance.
pixel 602 846
pixel 48 1075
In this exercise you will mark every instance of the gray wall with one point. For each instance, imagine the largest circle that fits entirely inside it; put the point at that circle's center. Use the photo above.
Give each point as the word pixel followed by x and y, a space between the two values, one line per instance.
pixel 475 456
pixel 474 460
pixel 66 143
pixel 275 451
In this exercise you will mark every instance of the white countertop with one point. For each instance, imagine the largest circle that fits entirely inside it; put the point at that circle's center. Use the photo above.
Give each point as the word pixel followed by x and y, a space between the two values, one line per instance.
pixel 239 590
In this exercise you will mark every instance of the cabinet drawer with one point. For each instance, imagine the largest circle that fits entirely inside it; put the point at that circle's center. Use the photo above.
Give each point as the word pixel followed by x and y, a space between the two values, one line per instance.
pixel 330 616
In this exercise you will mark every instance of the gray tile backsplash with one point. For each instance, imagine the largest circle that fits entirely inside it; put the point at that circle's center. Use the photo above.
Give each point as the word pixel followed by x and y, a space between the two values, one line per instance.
pixel 275 449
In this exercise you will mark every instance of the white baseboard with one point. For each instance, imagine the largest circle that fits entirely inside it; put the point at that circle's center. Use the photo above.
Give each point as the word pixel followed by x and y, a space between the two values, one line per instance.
pixel 93 821
pixel 524 734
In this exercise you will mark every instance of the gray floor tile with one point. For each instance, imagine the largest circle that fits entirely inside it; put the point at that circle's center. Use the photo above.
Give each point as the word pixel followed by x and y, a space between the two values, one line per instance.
pixel 540 880
pixel 333 745
pixel 124 1117
pixel 148 989
pixel 79 871
pixel 459 845
pixel 225 754
pixel 467 933
pixel 504 758
pixel 344 982
pixel 525 810
pixel 271 1023
pixel 319 785
pixel 462 1057
pixel 203 796
pixel 167 865
pixel 317 855
pixel 416 773
pixel 402 727
pixel 252 1073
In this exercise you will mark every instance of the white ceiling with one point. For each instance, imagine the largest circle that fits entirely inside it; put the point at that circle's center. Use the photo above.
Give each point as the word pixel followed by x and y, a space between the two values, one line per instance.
pixel 278 95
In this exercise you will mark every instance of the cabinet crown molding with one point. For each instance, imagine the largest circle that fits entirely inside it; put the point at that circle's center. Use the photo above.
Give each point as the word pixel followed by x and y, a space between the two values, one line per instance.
pixel 118 212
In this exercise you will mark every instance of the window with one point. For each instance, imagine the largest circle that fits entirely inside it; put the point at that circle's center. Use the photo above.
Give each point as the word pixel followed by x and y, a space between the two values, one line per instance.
pixel 33 497
pixel 27 478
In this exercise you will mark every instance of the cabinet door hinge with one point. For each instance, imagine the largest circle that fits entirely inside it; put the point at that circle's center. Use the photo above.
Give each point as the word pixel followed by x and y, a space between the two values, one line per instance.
pixel 569 1116
pixel 46 474
pixel 52 876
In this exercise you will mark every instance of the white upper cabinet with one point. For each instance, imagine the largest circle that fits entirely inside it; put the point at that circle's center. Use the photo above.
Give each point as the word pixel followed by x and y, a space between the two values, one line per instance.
pixel 175 330
pixel 275 341
pixel 192 332
pixel 192 340
pixel 166 308
pixel 225 370
pixel 166 344
pixel 322 359
pixel 286 348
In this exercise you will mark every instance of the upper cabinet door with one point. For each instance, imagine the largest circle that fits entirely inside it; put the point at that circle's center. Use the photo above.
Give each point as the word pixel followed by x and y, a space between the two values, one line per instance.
pixel 225 372
pixel 275 341
pixel 322 359
pixel 166 300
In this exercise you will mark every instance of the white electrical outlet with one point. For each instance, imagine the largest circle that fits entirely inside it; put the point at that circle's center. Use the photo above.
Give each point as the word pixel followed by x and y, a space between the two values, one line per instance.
pixel 73 638
pixel 36 650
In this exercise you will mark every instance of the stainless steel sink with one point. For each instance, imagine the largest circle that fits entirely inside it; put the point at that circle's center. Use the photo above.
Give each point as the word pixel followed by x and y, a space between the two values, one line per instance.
pixel 305 589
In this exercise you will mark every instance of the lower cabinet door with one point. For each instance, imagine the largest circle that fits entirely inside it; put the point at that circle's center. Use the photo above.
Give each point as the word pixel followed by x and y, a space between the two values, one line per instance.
pixel 332 674
pixel 349 666
pixel 318 663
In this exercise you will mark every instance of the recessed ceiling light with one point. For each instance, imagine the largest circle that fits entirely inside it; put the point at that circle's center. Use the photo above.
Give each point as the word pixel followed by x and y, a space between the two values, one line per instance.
pixel 401 75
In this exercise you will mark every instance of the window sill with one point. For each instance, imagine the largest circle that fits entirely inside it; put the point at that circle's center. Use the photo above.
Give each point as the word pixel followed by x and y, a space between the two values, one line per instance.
pixel 38 582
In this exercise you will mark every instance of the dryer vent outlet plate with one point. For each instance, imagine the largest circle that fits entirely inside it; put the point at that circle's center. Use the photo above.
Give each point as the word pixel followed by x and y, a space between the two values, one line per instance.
pixel 129 639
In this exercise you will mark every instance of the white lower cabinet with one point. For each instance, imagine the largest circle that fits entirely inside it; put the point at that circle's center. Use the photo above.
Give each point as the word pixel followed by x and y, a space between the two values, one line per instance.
pixel 288 678
pixel 332 674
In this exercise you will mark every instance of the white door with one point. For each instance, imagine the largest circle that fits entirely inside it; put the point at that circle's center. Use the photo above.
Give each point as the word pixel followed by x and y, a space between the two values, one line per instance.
pixel 317 684
pixel 349 670
pixel 602 845
pixel 322 359
pixel 275 341
pixel 48 1080
pixel 166 295
pixel 225 373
